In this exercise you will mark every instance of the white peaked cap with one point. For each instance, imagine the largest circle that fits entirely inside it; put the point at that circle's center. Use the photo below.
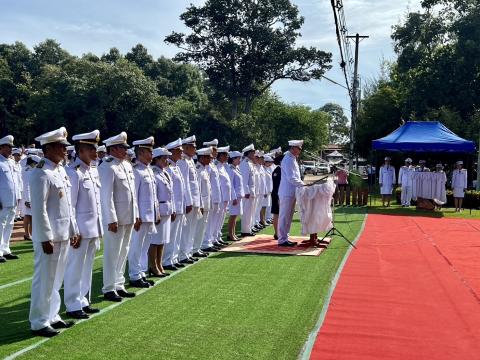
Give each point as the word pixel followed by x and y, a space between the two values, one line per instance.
pixel 120 139
pixel 33 151
pixel 145 143
pixel 35 158
pixel 268 158
pixel 387 158
pixel 16 151
pixel 70 148
pixel 234 154
pixel 422 162
pixel 250 147
pixel 174 144
pixel 459 162
pixel 102 148
pixel 297 143
pixel 7 140
pixel 224 149
pixel 189 140
pixel 204 151
pixel 160 152
pixel 91 138
pixel 259 153
pixel 439 166
pixel 276 151
pixel 408 160
pixel 55 136
pixel 214 143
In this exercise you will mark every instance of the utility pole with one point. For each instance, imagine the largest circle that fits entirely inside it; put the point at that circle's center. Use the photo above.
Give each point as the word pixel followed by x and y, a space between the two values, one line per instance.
pixel 354 97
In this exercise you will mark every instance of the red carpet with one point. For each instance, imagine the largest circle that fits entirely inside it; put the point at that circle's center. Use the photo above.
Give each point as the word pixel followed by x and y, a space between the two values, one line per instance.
pixel 410 291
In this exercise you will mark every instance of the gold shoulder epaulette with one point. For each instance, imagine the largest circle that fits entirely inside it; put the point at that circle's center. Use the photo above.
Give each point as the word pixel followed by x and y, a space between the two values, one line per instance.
pixel 41 164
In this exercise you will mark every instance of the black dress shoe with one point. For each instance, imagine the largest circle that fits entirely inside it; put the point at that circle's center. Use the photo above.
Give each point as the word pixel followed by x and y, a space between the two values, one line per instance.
pixel 125 294
pixel 79 314
pixel 221 242
pixel 112 296
pixel 90 310
pixel 194 259
pixel 10 256
pixel 288 243
pixel 2 259
pixel 28 238
pixel 275 237
pixel 247 234
pixel 178 265
pixel 200 254
pixel 170 267
pixel 140 284
pixel 60 324
pixel 187 261
pixel 149 282
pixel 47 331
pixel 209 249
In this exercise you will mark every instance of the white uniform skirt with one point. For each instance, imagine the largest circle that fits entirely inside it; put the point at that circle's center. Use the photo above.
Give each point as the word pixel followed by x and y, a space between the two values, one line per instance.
pixel 458 192
pixel 162 236
pixel 236 210
pixel 386 189
pixel 25 209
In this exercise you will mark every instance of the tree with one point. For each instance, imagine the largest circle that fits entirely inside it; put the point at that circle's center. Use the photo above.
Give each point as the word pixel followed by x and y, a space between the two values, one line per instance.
pixel 244 46
pixel 338 129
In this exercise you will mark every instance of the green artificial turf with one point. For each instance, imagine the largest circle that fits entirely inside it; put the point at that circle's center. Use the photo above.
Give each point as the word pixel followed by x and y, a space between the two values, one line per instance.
pixel 229 306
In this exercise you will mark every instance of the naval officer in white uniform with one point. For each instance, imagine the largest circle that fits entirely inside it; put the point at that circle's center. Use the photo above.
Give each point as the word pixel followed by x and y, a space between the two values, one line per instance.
pixel 405 179
pixel 289 182
pixel 119 215
pixel 387 179
pixel 85 192
pixel 53 229
pixel 225 189
pixel 9 197
pixel 459 185
pixel 147 202
pixel 248 178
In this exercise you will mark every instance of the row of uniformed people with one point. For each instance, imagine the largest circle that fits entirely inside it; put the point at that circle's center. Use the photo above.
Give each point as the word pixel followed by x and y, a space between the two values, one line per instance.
pixel 174 209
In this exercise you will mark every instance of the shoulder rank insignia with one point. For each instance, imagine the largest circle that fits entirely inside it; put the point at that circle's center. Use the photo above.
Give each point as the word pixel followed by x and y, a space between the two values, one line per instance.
pixel 41 164
pixel 109 159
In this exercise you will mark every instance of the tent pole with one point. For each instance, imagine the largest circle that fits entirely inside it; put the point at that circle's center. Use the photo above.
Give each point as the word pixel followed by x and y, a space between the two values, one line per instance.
pixel 478 166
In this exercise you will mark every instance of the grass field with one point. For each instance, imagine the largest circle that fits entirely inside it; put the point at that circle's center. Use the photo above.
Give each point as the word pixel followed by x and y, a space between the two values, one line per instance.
pixel 229 306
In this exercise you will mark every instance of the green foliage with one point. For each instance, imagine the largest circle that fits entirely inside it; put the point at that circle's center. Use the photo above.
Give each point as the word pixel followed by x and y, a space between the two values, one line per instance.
pixel 338 127
pixel 245 46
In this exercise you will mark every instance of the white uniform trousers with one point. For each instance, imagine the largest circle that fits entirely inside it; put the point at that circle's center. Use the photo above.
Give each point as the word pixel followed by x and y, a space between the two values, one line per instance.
pixel 220 221
pixel 135 253
pixel 247 217
pixel 47 280
pixel 115 257
pixel 78 275
pixel 211 226
pixel 172 249
pixel 144 254
pixel 199 234
pixel 258 208
pixel 7 217
pixel 186 241
pixel 406 195
pixel 287 209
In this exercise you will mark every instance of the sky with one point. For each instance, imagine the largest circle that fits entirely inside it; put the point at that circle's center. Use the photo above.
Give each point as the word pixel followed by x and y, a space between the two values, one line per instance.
pixel 83 26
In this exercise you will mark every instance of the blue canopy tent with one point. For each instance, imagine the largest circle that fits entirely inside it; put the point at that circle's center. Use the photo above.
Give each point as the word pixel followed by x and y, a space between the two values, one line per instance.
pixel 424 136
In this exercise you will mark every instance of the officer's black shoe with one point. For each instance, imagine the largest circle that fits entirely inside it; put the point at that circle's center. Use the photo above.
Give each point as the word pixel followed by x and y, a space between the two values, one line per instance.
pixel 2 259
pixel 90 310
pixel 10 256
pixel 221 242
pixel 125 294
pixel 288 243
pixel 112 296
pixel 187 261
pixel 178 265
pixel 170 267
pixel 139 284
pixel 149 282
pixel 194 259
pixel 247 234
pixel 60 324
pixel 200 254
pixel 79 314
pixel 47 331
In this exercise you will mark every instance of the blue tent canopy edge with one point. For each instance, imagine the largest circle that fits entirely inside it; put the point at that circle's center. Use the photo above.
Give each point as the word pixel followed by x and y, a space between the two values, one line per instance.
pixel 424 136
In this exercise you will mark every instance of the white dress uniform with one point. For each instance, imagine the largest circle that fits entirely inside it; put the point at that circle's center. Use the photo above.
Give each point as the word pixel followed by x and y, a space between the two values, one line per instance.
pixel 226 191
pixel 215 208
pixel 405 179
pixel 9 197
pixel 119 205
pixel 262 191
pixel 269 186
pixel 205 199
pixel 85 194
pixel 289 182
pixel 18 172
pixel 192 191
pixel 26 190
pixel 146 191
pixel 172 249
pixel 166 204
pixel 248 178
pixel 387 179
pixel 53 220
pixel 237 190
pixel 459 182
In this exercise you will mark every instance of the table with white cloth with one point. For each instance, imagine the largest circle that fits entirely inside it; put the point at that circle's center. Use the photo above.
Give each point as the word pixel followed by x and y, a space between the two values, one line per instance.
pixel 429 185
pixel 314 207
